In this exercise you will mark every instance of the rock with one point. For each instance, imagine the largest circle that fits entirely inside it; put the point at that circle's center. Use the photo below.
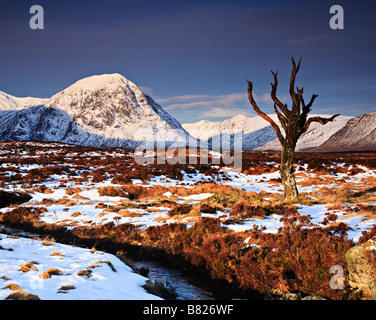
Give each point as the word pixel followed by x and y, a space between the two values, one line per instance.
pixel 361 270
pixel 313 298
pixel 285 295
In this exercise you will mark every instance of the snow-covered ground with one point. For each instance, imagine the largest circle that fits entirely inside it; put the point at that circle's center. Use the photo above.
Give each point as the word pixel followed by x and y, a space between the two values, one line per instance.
pixel 80 274
pixel 85 211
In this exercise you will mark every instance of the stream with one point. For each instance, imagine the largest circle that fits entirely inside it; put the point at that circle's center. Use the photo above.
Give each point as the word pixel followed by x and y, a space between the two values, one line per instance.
pixel 187 287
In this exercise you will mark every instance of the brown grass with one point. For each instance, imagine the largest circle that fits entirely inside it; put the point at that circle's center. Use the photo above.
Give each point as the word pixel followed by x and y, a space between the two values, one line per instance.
pixel 48 242
pixel 67 202
pixel 77 196
pixel 13 286
pixel 20 295
pixel 70 191
pixel 154 210
pixel 112 192
pixel 66 288
pixel 56 253
pixel 109 264
pixel 51 272
pixel 85 273
pixel 180 209
pixel 128 213
pixel 29 266
pixel 75 214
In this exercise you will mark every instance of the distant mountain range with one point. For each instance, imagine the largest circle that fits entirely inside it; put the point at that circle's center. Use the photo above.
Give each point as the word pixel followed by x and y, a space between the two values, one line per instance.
pixel 257 134
pixel 110 111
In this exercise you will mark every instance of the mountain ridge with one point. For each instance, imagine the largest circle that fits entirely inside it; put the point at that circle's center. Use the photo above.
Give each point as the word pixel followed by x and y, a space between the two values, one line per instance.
pixel 359 134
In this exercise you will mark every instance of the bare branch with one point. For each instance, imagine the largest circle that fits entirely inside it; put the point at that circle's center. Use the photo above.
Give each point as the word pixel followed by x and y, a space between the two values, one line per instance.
pixel 299 100
pixel 282 119
pixel 281 106
pixel 262 114
pixel 294 71
pixel 300 93
pixel 307 108
pixel 294 65
pixel 319 120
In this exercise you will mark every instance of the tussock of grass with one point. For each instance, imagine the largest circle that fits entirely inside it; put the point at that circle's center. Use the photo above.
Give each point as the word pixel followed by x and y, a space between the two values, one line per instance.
pixel 180 209
pixel 75 214
pixel 20 295
pixel 109 264
pixel 223 198
pixel 56 253
pixel 85 273
pixel 29 266
pixel 51 272
pixel 13 286
pixel 128 213
pixel 65 288
pixel 48 242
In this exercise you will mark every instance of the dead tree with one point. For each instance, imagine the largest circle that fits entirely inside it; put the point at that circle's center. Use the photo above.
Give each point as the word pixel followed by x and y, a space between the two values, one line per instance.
pixel 293 122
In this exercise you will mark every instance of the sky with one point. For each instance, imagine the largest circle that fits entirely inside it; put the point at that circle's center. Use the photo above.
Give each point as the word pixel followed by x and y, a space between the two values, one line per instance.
pixel 194 57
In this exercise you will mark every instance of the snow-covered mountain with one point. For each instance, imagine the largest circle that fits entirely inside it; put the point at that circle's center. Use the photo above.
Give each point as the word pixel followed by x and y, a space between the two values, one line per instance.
pixel 9 102
pixel 316 135
pixel 359 134
pixel 255 131
pixel 102 111
pixel 257 134
pixel 204 129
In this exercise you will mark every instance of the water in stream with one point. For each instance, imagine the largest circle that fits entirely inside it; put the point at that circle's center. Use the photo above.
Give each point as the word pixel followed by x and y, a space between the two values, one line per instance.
pixel 187 287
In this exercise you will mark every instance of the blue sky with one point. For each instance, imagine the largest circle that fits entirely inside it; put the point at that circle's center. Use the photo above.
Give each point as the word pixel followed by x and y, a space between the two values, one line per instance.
pixel 193 57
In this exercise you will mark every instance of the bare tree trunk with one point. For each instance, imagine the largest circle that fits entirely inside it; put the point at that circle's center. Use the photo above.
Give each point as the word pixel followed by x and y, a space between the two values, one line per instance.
pixel 287 172
pixel 294 123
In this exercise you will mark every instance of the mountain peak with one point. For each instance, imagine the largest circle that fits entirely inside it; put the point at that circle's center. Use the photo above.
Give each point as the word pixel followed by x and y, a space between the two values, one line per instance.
pixel 105 91
pixel 98 82
pixel 239 117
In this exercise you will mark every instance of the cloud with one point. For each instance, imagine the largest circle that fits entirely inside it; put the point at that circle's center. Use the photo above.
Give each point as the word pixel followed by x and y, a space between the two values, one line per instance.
pixel 225 113
pixel 204 101
pixel 308 39
pixel 178 99
pixel 231 100
pixel 216 106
